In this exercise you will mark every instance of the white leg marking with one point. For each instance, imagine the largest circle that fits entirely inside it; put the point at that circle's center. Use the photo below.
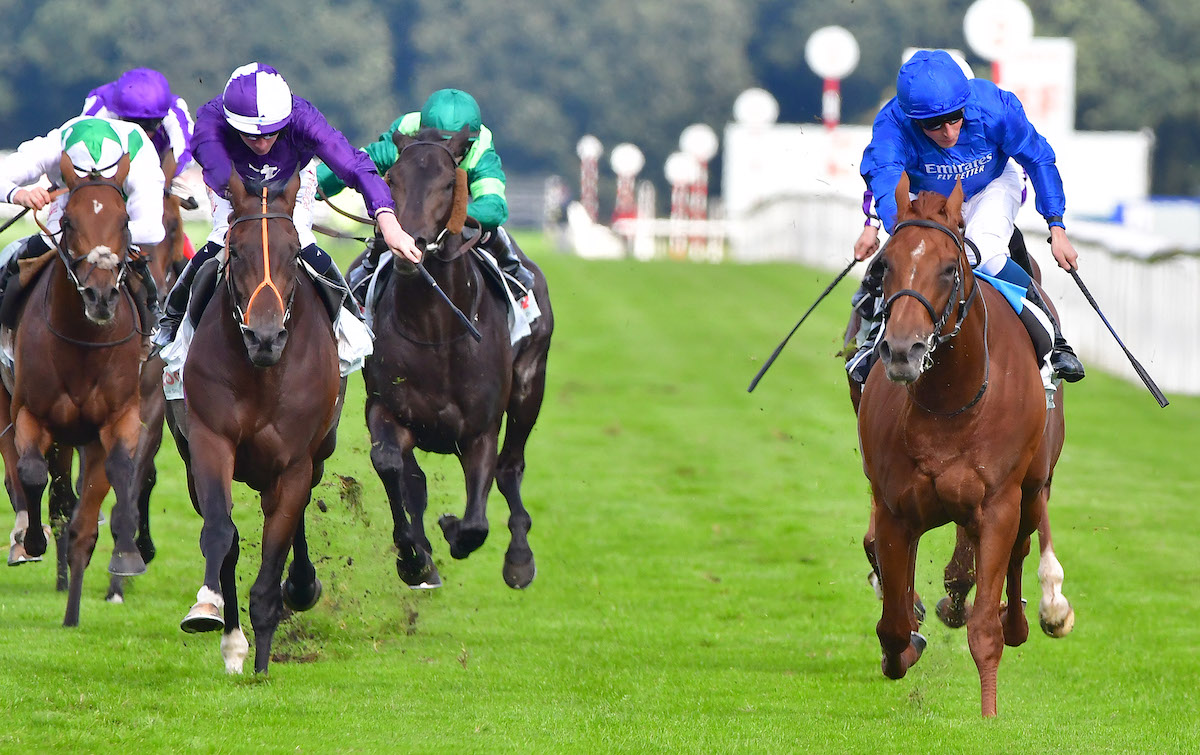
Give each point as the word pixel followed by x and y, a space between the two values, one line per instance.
pixel 206 595
pixel 1054 610
pixel 234 648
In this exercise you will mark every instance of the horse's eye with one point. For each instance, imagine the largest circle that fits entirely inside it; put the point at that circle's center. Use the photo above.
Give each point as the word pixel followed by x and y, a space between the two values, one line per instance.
pixel 233 252
pixel 64 223
pixel 949 270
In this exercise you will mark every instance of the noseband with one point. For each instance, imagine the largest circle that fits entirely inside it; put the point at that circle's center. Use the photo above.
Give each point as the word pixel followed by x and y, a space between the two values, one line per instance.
pixel 241 315
pixel 939 322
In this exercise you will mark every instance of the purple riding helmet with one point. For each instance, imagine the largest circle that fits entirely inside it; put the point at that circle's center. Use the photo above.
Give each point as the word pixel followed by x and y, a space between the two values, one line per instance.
pixel 257 100
pixel 140 94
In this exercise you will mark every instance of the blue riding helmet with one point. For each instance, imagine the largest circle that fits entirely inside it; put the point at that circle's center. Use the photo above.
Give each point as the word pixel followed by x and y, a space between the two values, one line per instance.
pixel 930 84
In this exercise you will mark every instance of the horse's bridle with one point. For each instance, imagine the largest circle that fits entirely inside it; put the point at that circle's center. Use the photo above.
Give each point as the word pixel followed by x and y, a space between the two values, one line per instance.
pixel 241 315
pixel 939 321
pixel 435 246
pixel 69 262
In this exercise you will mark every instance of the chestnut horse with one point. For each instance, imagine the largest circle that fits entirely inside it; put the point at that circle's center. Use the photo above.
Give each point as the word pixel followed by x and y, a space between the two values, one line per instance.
pixel 430 386
pixel 262 399
pixel 77 371
pixel 953 428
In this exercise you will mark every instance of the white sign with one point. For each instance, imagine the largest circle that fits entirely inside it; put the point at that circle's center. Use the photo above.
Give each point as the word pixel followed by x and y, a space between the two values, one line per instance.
pixel 1042 75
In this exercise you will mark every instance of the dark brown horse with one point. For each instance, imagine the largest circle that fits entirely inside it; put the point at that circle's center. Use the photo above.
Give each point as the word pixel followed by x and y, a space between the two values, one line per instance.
pixel 76 382
pixel 262 396
pixel 953 427
pixel 431 386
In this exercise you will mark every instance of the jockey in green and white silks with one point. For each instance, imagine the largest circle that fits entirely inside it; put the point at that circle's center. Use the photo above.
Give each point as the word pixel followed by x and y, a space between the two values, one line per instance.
pixel 94 147
pixel 448 110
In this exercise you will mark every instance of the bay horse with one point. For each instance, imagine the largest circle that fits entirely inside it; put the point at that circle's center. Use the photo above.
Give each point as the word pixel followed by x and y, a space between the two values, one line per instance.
pixel 75 383
pixel 262 400
pixel 432 387
pixel 953 427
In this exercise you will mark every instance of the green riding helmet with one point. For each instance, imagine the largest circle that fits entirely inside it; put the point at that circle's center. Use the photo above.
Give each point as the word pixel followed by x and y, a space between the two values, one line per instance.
pixel 448 110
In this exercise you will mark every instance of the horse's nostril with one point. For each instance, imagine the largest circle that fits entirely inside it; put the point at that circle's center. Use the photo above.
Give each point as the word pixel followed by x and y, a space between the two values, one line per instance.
pixel 885 351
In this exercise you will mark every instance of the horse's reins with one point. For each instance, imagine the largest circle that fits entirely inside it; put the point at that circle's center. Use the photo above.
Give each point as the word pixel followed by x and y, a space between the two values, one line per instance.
pixel 939 322
pixel 267 282
pixel 69 263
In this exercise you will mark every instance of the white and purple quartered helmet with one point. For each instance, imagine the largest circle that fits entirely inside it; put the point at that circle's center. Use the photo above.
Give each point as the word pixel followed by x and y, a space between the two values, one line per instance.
pixel 257 100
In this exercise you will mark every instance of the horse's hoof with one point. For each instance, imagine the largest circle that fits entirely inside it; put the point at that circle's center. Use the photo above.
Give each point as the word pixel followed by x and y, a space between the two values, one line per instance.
pixel 291 599
pixel 951 615
pixel 420 576
pixel 918 642
pixel 519 576
pixel 17 555
pixel 204 617
pixel 919 611
pixel 463 540
pixel 1061 628
pixel 126 564
pixel 873 581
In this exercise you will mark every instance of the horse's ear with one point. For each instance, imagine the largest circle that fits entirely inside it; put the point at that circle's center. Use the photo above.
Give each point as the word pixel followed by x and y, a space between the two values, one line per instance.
pixel 954 205
pixel 68 171
pixel 237 189
pixel 401 140
pixel 122 170
pixel 903 203
pixel 458 142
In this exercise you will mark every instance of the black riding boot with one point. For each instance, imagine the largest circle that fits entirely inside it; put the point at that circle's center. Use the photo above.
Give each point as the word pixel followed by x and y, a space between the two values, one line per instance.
pixel 1062 357
pixel 141 268
pixel 501 247
pixel 868 301
pixel 359 276
pixel 176 305
pixel 348 301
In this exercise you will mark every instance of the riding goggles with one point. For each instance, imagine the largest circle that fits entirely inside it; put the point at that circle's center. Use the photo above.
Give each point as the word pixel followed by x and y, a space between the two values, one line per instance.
pixel 937 121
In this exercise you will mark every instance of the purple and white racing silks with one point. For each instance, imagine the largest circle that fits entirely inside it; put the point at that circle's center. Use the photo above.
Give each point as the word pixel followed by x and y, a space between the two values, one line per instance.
pixel 143 94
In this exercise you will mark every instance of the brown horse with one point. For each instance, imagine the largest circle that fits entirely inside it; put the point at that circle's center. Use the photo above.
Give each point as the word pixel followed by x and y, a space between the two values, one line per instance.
pixel 258 412
pixel 953 428
pixel 430 386
pixel 76 382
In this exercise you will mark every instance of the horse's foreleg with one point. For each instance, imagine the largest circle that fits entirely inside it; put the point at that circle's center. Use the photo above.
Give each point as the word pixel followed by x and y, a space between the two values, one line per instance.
pixel 525 401
pixel 953 609
pixel 63 500
pixel 391 455
pixel 120 440
pixel 998 528
pixel 84 528
pixel 234 647
pixel 211 482
pixel 1012 617
pixel 1055 614
pixel 283 509
pixel 896 552
pixel 33 473
pixel 478 460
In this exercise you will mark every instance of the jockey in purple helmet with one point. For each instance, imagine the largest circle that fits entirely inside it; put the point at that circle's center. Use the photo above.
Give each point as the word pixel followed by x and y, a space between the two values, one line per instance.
pixel 260 129
pixel 144 97
pixel 942 127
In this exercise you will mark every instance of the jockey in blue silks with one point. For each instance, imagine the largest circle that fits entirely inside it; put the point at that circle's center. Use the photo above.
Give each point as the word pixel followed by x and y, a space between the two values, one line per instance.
pixel 144 97
pixel 260 129
pixel 939 128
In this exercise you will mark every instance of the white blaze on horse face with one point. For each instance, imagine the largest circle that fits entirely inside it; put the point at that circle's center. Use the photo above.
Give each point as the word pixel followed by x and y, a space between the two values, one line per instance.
pixel 916 257
pixel 96 206
pixel 103 258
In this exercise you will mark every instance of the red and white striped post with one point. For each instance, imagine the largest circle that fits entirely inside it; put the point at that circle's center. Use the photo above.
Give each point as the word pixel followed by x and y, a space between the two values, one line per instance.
pixel 589 150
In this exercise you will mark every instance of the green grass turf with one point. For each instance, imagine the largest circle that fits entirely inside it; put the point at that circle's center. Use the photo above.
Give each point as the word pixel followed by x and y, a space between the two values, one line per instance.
pixel 701 577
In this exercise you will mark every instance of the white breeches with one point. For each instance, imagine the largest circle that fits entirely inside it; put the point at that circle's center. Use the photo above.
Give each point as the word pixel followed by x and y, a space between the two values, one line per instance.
pixel 990 215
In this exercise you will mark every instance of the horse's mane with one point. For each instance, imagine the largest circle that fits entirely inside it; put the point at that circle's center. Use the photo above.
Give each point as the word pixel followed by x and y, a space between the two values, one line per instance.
pixel 931 205
pixel 428 134
pixel 275 187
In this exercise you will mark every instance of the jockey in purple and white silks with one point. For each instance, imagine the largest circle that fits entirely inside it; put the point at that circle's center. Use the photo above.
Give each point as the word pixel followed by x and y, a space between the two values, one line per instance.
pixel 144 97
pixel 942 127
pixel 94 147
pixel 260 129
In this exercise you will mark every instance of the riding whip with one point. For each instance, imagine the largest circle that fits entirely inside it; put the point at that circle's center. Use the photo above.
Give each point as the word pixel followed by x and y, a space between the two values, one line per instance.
pixel 12 220
pixel 465 320
pixel 1137 366
pixel 779 348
